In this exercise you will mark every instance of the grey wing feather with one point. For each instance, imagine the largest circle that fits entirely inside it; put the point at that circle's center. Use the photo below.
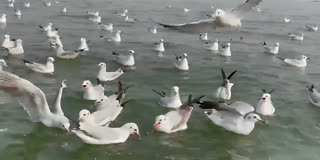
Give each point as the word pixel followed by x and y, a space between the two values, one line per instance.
pixel 185 113
pixel 199 26
pixel 245 7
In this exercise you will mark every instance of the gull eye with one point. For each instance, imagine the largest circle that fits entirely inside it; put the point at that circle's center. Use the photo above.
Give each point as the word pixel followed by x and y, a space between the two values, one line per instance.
pixel 160 120
pixel 254 117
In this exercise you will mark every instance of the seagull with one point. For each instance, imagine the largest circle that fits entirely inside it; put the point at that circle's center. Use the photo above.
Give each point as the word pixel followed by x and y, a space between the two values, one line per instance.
pixel 126 60
pixel 213 46
pixel 52 33
pixel 259 10
pixel 92 92
pixel 18 13
pixel 229 118
pixel 11 5
pixel 286 20
pixel 3 64
pixel 271 49
pixel 3 19
pixel 106 27
pixel 55 41
pixel 219 19
pixel 41 68
pixel 172 100
pixel 301 63
pixel 312 28
pixel 96 19
pixel 296 36
pixel 265 106
pixel 18 49
pixel 96 14
pixel 46 28
pixel 7 42
pixel 225 50
pixel 175 120
pixel 48 4
pixel 159 46
pixel 204 37
pixel 129 20
pixel 314 95
pixel 61 53
pixel 224 91
pixel 123 13
pixel 182 62
pixel 27 4
pixel 33 100
pixel 153 30
pixel 100 135
pixel 64 10
pixel 186 10
pixel 104 76
pixel 83 45
pixel 113 38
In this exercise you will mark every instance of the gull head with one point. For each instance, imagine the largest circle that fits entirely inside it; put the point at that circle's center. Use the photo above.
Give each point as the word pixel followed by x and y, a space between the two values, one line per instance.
pixel 303 57
pixel 253 117
pixel 19 41
pixel 266 96
pixel 86 84
pixel 83 40
pixel 216 40
pixel 118 32
pixel 228 44
pixel 99 101
pixel 3 15
pixel 175 90
pixel 3 63
pixel 50 24
pixel 131 52
pixel 185 55
pixel 50 59
pixel 102 64
pixel 64 123
pixel 218 13
pixel 111 24
pixel 6 36
pixel 132 128
pixel 159 120
pixel 64 84
pixel 161 40
pixel 83 114
pixel 277 44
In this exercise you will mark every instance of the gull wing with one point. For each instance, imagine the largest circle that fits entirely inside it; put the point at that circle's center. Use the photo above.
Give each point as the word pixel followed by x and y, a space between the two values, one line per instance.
pixel 198 26
pixel 245 7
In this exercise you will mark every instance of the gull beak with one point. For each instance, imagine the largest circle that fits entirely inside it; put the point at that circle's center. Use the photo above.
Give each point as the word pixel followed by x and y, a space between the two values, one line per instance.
pixel 262 122
pixel 81 119
pixel 6 66
pixel 136 133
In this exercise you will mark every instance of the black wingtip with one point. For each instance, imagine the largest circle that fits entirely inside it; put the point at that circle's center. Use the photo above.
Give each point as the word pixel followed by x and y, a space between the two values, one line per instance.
pixel 198 99
pixel 124 103
pixel 223 74
pixel 229 77
pixel 190 100
pixel 26 61
pixel 114 53
pixel 310 89
pixel 281 58
pixel 159 93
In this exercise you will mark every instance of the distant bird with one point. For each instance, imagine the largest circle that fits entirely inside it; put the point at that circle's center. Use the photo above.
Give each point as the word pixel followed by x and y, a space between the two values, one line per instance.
pixel 11 5
pixel 96 19
pixel 64 10
pixel 3 64
pixel 181 62
pixel 61 53
pixel 225 50
pixel 172 100
pixel 83 45
pixel 129 20
pixel 27 4
pixel 265 106
pixel 286 20
pixel 7 42
pixel 259 10
pixel 296 36
pixel 186 10
pixel 219 19
pixel 212 46
pixel 159 46
pixel 18 12
pixel 126 60
pixel 104 76
pixel 52 33
pixel 153 30
pixel 314 95
pixel 48 4
pixel 203 37
pixel 46 28
pixel 312 28
pixel 106 27
pixel 175 120
pixel 271 49
pixel 122 13
pixel 3 19
pixel 224 91
pixel 96 13
pixel 18 49
pixel 300 63
pixel 115 37
pixel 41 68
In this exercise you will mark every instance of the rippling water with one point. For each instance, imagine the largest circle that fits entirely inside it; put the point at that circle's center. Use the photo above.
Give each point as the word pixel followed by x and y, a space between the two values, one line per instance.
pixel 292 134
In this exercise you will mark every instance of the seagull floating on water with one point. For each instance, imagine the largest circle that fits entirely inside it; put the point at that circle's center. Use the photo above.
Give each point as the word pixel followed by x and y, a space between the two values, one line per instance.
pixel 18 12
pixel 286 20
pixel 126 60
pixel 224 91
pixel 11 5
pixel 186 10
pixel 92 92
pixel 182 62
pixel 17 49
pixel 153 30
pixel 265 106
pixel 301 63
pixel 175 120
pixel 27 4
pixel 64 10
pixel 212 46
pixel 115 37
pixel 34 101
pixel 225 50
pixel 123 13
pixel 46 28
pixel 296 36
pixel 271 49
pixel 96 19
pixel 172 100
pixel 129 20
pixel 203 37
pixel 41 68
pixel 312 28
pixel 106 27
pixel 3 19
pixel 159 46
pixel 7 42
pixel 83 45
pixel 96 14
pixel 52 33
pixel 314 95
pixel 104 76
pixel 61 53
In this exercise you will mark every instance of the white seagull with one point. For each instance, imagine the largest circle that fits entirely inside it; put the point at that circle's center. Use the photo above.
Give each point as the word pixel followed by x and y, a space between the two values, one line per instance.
pixel 100 135
pixel 104 76
pixel 18 49
pixel 48 4
pixel 265 106
pixel 224 91
pixel 172 100
pixel 230 118
pixel 61 53
pixel 212 46
pixel 96 19
pixel 153 30
pixel 92 92
pixel 18 12
pixel 175 120
pixel 182 62
pixel 203 36
pixel 7 42
pixel 301 63
pixel 52 33
pixel 27 4
pixel 296 36
pixel 33 100
pixel 314 95
pixel 129 20
pixel 116 37
pixel 11 5
pixel 126 60
pixel 186 10
pixel 90 13
pixel 312 28
pixel 123 13
pixel 225 50
pixel 271 49
pixel 64 10
pixel 3 19
pixel 46 28
pixel 220 18
pixel 41 68
pixel 3 64
pixel 159 46
pixel 106 27
pixel 286 20
pixel 83 45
